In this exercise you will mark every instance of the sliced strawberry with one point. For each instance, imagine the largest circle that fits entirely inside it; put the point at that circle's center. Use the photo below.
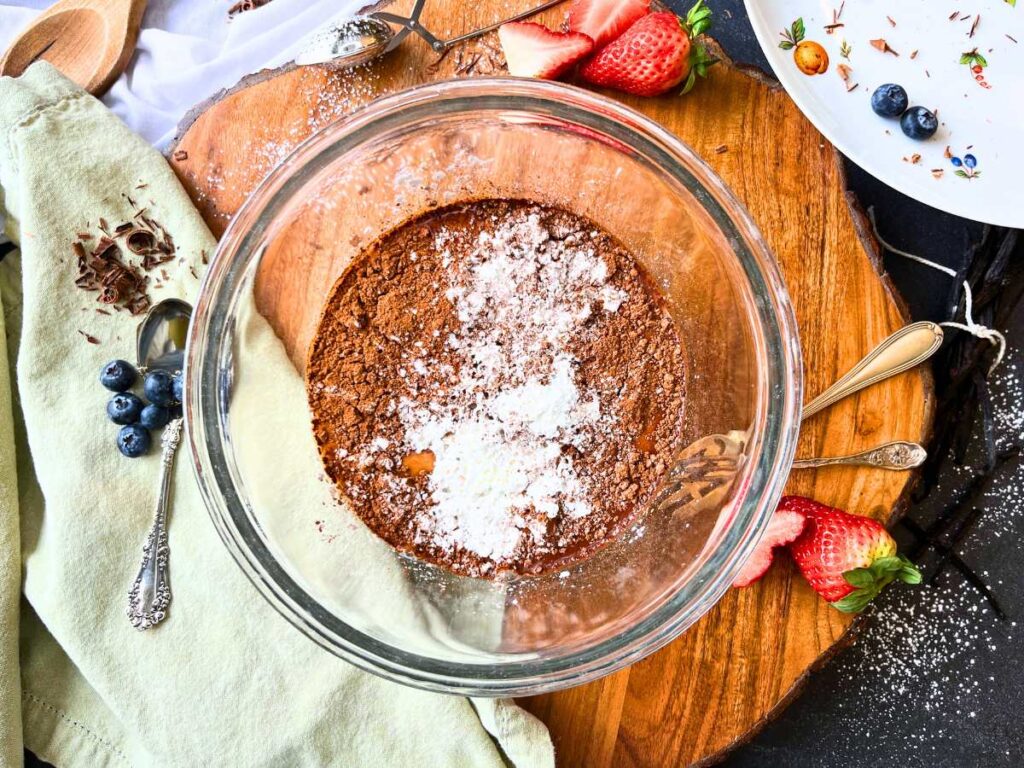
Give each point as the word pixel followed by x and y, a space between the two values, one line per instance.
pixel 604 20
pixel 533 50
pixel 784 527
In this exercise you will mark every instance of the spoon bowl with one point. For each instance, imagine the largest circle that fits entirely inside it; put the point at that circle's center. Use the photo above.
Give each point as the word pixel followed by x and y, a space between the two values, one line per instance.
pixel 89 41
pixel 349 43
pixel 160 338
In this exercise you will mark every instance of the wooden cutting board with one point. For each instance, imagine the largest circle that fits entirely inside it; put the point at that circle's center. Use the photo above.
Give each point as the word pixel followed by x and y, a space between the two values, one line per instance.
pixel 716 685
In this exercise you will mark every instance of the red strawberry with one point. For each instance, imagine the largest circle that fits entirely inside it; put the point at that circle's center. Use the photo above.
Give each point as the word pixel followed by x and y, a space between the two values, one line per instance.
pixel 784 527
pixel 604 20
pixel 533 50
pixel 846 558
pixel 654 55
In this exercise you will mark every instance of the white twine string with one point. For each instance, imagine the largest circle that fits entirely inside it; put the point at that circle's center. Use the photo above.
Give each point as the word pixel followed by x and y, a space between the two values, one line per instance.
pixel 990 335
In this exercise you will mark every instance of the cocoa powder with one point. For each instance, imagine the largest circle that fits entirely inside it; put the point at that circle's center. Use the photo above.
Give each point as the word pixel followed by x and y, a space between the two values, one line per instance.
pixel 425 340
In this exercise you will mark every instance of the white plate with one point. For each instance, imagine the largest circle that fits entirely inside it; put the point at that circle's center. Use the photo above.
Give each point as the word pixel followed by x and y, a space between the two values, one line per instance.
pixel 984 122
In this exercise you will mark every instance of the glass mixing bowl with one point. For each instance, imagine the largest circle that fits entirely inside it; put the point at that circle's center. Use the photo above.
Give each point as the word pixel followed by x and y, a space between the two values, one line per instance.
pixel 249 424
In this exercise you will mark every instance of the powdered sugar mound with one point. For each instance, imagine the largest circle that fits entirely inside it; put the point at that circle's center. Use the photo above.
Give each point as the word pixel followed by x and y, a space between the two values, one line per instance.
pixel 500 438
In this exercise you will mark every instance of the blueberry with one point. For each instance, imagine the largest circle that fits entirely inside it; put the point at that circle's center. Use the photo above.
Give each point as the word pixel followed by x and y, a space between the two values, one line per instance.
pixel 889 100
pixel 919 123
pixel 159 388
pixel 133 441
pixel 970 161
pixel 124 408
pixel 118 375
pixel 956 161
pixel 179 387
pixel 154 417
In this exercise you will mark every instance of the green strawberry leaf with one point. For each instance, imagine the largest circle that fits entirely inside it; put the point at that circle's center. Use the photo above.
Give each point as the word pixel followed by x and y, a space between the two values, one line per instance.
pixel 785 45
pixel 698 19
pixel 700 62
pixel 909 576
pixel 908 573
pixel 690 82
pixel 887 564
pixel 798 29
pixel 856 601
pixel 980 59
pixel 859 577
pixel 870 581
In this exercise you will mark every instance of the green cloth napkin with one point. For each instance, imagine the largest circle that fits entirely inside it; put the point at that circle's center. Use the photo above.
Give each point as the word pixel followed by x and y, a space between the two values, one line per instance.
pixel 224 680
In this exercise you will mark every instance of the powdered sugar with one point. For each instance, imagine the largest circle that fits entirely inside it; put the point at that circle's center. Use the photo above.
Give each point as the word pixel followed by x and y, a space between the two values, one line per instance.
pixel 499 442
pixel 526 422
pixel 930 674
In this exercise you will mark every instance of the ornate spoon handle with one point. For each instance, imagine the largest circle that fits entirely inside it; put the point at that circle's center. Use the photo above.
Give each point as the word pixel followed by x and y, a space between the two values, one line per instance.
pixel 901 351
pixel 898 455
pixel 150 595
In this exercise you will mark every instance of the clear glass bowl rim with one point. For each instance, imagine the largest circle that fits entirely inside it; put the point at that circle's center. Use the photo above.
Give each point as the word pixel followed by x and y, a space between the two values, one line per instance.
pixel 776 423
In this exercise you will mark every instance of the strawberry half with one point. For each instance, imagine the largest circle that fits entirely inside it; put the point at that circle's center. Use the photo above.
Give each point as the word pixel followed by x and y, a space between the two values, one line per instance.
pixel 653 56
pixel 784 527
pixel 846 558
pixel 604 20
pixel 533 50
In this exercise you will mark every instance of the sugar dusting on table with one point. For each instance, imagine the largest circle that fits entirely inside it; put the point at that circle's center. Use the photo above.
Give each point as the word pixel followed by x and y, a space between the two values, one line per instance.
pixel 924 663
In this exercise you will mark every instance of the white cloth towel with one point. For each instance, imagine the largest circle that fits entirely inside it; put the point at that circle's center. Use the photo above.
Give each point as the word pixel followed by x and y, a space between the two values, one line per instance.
pixel 189 50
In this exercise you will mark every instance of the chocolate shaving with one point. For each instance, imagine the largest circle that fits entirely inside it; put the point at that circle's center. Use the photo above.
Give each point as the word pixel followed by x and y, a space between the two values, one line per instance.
pixel 89 337
pixel 883 46
pixel 103 270
pixel 140 241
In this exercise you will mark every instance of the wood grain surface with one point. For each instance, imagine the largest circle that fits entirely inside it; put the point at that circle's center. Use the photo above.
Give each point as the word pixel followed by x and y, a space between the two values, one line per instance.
pixel 717 684
pixel 89 41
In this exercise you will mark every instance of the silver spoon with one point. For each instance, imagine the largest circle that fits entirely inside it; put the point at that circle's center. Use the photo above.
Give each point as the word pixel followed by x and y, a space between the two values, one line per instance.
pixel 908 347
pixel 897 455
pixel 160 345
pixel 362 39
pixel 707 468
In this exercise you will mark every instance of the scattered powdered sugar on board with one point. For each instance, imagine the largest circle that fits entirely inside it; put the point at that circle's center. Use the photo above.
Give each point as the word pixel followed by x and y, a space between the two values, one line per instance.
pixel 499 441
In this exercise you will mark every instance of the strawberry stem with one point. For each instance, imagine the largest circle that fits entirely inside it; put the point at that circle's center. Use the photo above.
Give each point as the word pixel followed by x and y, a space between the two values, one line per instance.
pixel 697 22
pixel 870 581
